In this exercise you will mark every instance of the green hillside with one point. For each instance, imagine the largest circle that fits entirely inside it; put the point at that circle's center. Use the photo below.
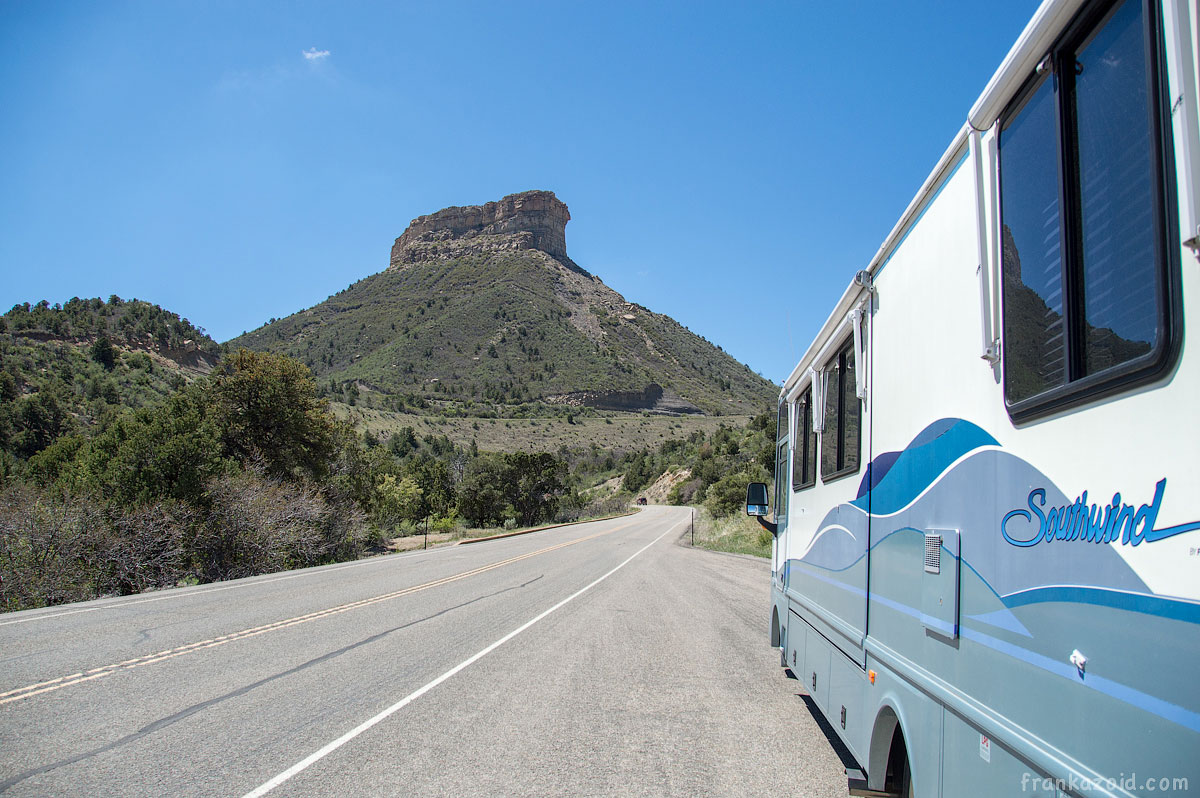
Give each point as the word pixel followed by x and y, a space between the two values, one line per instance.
pixel 64 368
pixel 509 327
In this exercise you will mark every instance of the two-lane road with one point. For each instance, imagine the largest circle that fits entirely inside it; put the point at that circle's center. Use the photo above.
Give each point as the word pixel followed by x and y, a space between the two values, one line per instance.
pixel 598 659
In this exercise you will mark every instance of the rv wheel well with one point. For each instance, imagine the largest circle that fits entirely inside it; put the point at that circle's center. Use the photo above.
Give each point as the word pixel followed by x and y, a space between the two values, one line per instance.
pixel 888 765
pixel 897 778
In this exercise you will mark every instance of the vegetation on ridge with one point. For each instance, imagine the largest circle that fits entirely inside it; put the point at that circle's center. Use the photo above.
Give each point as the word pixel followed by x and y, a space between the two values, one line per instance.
pixel 64 369
pixel 502 328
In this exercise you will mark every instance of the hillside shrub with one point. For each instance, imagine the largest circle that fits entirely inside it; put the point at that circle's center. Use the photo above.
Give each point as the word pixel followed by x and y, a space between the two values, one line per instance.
pixel 46 548
pixel 56 549
pixel 727 495
pixel 258 525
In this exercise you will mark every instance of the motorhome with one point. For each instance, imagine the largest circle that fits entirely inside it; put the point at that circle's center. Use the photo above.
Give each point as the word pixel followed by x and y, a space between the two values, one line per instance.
pixel 986 568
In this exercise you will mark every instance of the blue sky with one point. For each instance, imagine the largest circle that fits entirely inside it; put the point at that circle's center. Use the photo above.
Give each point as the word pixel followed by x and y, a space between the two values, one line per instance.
pixel 730 165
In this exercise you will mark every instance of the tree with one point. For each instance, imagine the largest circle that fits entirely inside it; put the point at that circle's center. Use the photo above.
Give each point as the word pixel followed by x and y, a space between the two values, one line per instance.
pixel 535 485
pixel 402 443
pixel 170 451
pixel 267 409
pixel 641 471
pixel 527 487
pixel 481 500
pixel 38 419
pixel 399 499
pixel 437 489
pixel 103 353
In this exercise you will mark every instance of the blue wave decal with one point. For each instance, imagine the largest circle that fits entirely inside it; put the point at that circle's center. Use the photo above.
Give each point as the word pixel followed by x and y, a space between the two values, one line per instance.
pixel 840 540
pixel 1173 608
pixel 877 469
pixel 921 463
pixel 1014 598
pixel 1002 619
pixel 817 557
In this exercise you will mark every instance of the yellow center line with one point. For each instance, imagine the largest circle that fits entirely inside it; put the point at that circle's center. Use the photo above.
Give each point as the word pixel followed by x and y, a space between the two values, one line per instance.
pixel 159 656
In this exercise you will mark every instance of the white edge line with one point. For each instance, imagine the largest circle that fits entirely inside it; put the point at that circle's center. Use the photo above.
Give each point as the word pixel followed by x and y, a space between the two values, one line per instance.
pixel 413 696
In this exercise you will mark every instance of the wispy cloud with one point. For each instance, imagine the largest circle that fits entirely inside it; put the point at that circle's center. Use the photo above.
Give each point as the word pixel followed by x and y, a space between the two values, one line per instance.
pixel 317 66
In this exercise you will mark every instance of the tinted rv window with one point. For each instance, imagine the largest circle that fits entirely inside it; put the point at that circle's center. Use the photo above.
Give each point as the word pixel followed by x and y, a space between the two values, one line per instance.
pixel 781 461
pixel 1083 213
pixel 781 492
pixel 843 418
pixel 1033 300
pixel 1121 284
pixel 851 413
pixel 804 450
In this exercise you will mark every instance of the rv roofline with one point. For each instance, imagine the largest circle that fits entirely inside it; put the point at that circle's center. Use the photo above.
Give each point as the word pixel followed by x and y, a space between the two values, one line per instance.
pixel 1034 43
pixel 945 165
pixel 836 320
pixel 933 182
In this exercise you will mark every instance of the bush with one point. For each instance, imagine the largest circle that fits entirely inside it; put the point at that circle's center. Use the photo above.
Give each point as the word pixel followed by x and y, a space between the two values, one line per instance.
pixel 259 525
pixel 727 495
pixel 144 548
pixel 765 538
pixel 597 508
pixel 55 550
pixel 46 546
pixel 685 492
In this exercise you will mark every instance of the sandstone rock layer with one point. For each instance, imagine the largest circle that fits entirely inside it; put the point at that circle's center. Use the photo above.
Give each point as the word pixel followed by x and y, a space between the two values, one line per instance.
pixel 528 220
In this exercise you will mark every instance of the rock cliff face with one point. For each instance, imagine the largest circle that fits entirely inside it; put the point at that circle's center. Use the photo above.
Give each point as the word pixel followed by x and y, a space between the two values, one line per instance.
pixel 529 220
pixel 651 399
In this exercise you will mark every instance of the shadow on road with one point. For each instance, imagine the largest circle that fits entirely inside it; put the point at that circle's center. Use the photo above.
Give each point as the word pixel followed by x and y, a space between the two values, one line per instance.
pixel 835 742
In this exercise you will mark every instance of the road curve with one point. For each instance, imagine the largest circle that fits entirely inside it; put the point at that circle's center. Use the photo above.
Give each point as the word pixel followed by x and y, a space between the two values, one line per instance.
pixel 598 659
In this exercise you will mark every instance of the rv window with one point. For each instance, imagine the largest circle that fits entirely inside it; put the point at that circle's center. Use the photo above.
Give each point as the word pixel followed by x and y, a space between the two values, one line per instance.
pixel 1083 209
pixel 781 492
pixel 843 418
pixel 804 449
pixel 781 462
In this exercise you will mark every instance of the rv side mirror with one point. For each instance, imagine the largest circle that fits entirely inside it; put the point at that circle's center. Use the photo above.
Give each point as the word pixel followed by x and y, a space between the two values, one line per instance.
pixel 757 503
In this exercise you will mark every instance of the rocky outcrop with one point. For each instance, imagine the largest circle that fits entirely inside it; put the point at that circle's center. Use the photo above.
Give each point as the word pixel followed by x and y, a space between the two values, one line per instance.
pixel 650 399
pixel 529 220
pixel 190 357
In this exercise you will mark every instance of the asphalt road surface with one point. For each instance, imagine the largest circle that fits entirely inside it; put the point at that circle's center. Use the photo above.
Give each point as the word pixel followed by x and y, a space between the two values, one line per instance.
pixel 599 659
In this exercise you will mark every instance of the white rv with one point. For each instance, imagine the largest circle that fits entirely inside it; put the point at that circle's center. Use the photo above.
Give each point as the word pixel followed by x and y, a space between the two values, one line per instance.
pixel 987 559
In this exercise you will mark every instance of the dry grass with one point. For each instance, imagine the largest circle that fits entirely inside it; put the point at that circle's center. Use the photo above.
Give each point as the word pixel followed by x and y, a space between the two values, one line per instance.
pixel 738 534
pixel 618 431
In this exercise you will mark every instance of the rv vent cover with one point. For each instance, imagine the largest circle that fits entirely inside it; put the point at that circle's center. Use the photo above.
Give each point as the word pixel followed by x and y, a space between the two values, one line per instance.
pixel 933 553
